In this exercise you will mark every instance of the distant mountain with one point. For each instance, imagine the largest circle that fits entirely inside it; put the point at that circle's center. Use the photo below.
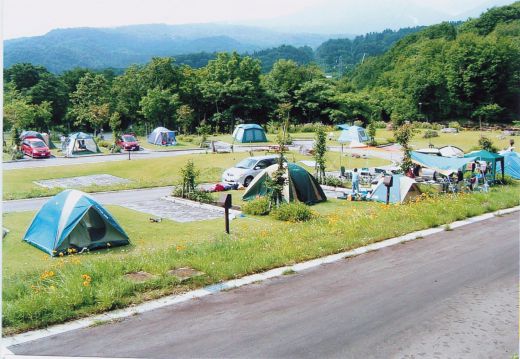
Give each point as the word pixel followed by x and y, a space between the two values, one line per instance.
pixel 98 48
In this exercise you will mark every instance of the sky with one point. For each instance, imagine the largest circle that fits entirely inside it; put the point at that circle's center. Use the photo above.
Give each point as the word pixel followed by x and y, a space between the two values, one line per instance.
pixel 36 17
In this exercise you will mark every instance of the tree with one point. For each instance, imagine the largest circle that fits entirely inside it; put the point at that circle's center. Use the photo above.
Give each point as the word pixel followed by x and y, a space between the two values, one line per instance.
pixel 371 129
pixel 487 113
pixel 115 125
pixel 185 118
pixel 403 136
pixel 90 102
pixel 320 149
pixel 158 106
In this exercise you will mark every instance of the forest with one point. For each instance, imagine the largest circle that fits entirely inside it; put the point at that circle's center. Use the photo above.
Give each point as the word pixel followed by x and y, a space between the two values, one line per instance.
pixel 463 71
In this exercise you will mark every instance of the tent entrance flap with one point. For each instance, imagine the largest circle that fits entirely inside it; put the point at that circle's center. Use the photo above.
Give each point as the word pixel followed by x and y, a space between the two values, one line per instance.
pixel 91 231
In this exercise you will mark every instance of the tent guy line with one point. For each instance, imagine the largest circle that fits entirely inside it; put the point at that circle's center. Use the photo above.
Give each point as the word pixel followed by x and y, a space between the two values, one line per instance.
pixel 216 288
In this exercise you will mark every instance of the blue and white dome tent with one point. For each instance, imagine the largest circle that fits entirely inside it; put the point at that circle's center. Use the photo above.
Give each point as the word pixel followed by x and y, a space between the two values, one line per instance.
pixel 74 220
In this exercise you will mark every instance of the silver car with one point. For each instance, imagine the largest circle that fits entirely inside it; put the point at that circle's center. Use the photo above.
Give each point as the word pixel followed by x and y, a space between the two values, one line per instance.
pixel 247 169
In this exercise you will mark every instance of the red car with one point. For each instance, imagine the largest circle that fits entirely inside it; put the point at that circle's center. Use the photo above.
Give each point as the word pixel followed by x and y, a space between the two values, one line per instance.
pixel 36 148
pixel 128 143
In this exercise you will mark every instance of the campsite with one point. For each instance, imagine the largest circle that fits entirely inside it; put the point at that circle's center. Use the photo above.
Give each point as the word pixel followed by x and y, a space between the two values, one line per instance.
pixel 125 240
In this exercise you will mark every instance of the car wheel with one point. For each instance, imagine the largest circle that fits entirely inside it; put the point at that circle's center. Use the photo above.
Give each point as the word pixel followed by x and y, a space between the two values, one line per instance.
pixel 247 181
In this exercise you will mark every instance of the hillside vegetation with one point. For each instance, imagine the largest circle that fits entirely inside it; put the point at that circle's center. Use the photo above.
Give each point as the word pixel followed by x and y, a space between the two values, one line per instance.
pixel 467 71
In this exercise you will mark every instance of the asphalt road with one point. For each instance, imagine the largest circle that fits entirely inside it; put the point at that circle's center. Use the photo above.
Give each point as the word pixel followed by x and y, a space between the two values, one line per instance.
pixel 62 161
pixel 116 197
pixel 454 294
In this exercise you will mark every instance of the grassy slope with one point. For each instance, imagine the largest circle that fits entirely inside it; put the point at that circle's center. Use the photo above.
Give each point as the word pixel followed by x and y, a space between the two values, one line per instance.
pixel 143 173
pixel 256 244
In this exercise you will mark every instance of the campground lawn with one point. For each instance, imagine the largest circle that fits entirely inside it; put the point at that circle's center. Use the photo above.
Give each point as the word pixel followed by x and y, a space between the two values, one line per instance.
pixel 147 173
pixel 39 291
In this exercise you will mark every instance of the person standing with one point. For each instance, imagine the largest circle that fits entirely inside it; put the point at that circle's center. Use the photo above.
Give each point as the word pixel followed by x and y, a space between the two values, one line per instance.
pixel 355 181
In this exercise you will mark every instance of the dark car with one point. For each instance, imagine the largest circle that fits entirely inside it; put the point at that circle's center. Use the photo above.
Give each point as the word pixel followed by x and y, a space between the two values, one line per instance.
pixel 36 148
pixel 128 143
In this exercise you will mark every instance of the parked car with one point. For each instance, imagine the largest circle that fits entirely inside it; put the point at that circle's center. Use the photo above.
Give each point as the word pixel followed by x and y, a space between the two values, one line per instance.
pixel 36 148
pixel 128 142
pixel 246 170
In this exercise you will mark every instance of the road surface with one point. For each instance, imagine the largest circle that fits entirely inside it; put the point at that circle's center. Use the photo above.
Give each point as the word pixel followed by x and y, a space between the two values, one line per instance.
pixel 454 294
pixel 116 197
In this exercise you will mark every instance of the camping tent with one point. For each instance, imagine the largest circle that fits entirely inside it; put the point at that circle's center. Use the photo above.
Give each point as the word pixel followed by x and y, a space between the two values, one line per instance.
pixel 73 219
pixel 353 134
pixel 511 164
pixel 34 134
pixel 451 151
pixel 249 133
pixel 300 185
pixel 80 144
pixel 491 157
pixel 161 136
pixel 403 189
pixel 444 165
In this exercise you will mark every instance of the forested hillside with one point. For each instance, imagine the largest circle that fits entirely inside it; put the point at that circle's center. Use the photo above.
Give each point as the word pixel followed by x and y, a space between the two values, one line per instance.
pixel 449 71
pixel 443 72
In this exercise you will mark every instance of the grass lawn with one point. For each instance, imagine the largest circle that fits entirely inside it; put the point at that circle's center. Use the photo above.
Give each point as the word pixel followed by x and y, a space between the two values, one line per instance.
pixel 465 140
pixel 39 291
pixel 144 173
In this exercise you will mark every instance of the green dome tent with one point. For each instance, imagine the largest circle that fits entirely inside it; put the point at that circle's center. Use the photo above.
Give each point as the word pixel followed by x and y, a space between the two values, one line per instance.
pixel 300 185
pixel 249 133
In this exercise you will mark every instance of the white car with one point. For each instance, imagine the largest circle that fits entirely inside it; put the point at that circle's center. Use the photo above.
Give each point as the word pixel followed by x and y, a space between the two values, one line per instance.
pixel 247 169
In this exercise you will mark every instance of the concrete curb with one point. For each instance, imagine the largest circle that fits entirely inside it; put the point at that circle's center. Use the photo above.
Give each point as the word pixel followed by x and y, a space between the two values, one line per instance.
pixel 235 283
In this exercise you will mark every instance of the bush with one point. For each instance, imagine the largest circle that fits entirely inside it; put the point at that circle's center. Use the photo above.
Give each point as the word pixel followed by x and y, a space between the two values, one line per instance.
pixel 485 143
pixel 380 124
pixel 454 124
pixel 358 123
pixel 336 182
pixel 293 212
pixel 436 126
pixel 196 195
pixel 430 134
pixel 103 143
pixel 257 207
pixel 186 138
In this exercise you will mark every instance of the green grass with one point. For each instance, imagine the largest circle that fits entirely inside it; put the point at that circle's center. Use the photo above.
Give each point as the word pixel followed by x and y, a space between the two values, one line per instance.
pixel 143 173
pixel 465 140
pixel 255 244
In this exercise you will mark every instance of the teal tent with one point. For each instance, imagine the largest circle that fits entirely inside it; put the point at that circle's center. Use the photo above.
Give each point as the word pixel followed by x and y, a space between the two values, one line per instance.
pixel 511 164
pixel 249 133
pixel 73 220
pixel 300 185
pixel 491 157
pixel 444 165
pixel 403 189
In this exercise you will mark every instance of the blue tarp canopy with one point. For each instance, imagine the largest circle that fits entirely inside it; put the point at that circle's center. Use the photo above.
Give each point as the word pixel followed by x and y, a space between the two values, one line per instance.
pixel 444 165
pixel 511 164
pixel 73 220
pixel 344 126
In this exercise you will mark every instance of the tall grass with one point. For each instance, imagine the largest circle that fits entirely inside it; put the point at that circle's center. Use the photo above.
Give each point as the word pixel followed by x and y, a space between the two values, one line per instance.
pixel 37 299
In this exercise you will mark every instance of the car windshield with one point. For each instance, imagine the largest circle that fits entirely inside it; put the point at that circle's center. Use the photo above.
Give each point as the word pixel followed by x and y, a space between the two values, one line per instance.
pixel 247 163
pixel 38 144
pixel 129 138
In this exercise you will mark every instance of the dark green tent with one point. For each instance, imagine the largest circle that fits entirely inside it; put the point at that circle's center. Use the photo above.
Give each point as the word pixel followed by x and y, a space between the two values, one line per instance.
pixel 491 157
pixel 300 185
